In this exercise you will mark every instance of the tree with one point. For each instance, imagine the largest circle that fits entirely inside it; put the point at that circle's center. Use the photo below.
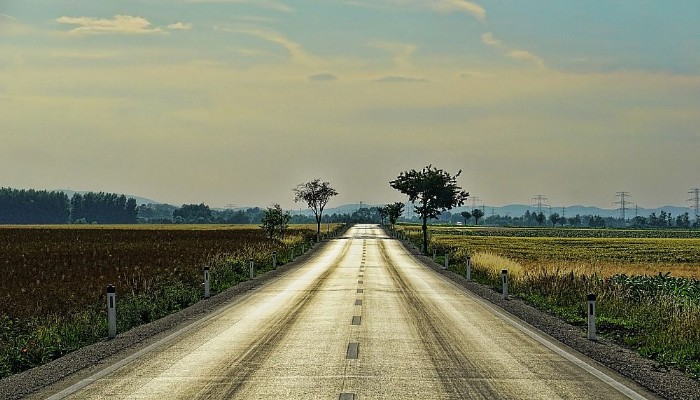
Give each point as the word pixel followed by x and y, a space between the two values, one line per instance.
pixel 193 213
pixel 435 191
pixel 554 218
pixel 275 221
pixel 395 210
pixel 316 195
pixel 477 214
pixel 466 215
pixel 383 212
pixel 540 218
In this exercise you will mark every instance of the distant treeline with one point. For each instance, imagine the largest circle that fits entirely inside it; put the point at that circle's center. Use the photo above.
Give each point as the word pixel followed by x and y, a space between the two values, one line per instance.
pixel 44 207
pixel 33 207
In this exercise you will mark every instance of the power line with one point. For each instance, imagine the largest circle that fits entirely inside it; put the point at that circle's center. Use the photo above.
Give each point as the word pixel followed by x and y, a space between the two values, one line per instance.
pixel 623 196
pixel 695 200
pixel 540 201
pixel 474 200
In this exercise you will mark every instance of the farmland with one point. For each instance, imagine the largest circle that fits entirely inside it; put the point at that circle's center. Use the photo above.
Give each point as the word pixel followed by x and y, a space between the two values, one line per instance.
pixel 52 294
pixel 646 280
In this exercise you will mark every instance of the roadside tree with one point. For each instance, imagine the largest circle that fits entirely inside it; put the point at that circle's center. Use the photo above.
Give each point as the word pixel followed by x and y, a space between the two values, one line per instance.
pixel 435 191
pixel 316 195
pixel 395 210
pixel 477 214
pixel 275 222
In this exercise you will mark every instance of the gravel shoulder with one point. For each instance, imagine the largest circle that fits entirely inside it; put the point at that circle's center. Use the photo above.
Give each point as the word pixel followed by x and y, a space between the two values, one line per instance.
pixel 664 382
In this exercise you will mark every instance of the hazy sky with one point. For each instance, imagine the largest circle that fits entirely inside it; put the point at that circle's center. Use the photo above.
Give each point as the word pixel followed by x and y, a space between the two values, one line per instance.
pixel 237 101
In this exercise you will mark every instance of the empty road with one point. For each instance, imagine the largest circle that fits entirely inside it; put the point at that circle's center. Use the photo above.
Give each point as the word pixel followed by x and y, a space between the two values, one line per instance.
pixel 360 319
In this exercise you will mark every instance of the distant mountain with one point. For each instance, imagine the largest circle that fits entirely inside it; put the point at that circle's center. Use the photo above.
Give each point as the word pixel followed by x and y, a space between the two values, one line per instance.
pixel 139 200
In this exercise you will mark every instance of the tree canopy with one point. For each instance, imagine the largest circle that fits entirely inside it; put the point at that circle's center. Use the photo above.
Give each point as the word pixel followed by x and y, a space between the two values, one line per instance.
pixel 435 191
pixel 316 195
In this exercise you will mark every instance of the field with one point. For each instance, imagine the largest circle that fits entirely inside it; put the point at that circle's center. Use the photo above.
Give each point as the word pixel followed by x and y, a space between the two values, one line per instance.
pixel 646 280
pixel 52 293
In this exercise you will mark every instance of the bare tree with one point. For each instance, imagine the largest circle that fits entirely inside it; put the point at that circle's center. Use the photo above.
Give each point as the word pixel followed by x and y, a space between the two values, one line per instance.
pixel 316 195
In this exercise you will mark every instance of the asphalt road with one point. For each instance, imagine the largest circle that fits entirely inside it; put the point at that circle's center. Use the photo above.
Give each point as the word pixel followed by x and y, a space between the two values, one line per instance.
pixel 361 319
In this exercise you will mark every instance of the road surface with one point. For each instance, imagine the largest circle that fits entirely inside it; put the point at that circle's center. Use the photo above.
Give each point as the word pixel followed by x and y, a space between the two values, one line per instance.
pixel 361 319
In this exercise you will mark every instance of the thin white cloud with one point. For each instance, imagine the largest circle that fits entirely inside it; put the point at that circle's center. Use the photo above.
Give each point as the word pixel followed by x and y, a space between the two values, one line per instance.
pixel 125 24
pixel 472 8
pixel 5 16
pixel 442 6
pixel 267 4
pixel 516 54
pixel 180 26
pixel 526 56
pixel 487 38
pixel 295 50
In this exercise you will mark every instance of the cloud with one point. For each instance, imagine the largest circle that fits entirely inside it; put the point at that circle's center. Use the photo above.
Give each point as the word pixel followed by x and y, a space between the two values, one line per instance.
pixel 5 16
pixel 295 49
pixel 180 26
pixel 526 56
pixel 125 24
pixel 517 54
pixel 323 77
pixel 476 74
pixel 474 9
pixel 268 4
pixel 487 38
pixel 394 79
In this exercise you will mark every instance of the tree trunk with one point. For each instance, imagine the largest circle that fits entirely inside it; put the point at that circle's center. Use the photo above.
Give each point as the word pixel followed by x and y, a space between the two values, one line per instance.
pixel 425 235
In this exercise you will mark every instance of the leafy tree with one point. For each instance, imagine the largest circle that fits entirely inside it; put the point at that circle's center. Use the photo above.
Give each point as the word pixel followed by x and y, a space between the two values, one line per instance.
pixel 395 210
pixel 383 212
pixel 435 191
pixel 466 215
pixel 477 214
pixel 316 195
pixel 193 213
pixel 275 221
pixel 540 218
pixel 554 218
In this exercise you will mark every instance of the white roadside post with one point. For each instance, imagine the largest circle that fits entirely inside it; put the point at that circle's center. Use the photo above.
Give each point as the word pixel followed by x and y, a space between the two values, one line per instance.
pixel 447 260
pixel 434 255
pixel 291 254
pixel 591 317
pixel 274 260
pixel 468 271
pixel 504 279
pixel 252 269
pixel 206 282
pixel 111 311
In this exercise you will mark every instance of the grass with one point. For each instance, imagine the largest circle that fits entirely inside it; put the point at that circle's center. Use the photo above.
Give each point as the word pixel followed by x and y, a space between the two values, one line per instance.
pixel 648 288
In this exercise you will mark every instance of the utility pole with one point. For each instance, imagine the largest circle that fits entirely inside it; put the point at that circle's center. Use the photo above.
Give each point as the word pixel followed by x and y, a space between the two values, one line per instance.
pixel 623 196
pixel 636 211
pixel 539 202
pixel 474 199
pixel 695 201
pixel 563 211
pixel 230 206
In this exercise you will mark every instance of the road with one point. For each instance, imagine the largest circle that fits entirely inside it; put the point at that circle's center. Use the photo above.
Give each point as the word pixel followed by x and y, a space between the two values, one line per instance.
pixel 360 319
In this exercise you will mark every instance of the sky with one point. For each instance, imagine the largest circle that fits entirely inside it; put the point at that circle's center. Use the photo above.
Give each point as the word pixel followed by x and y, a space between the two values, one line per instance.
pixel 238 101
